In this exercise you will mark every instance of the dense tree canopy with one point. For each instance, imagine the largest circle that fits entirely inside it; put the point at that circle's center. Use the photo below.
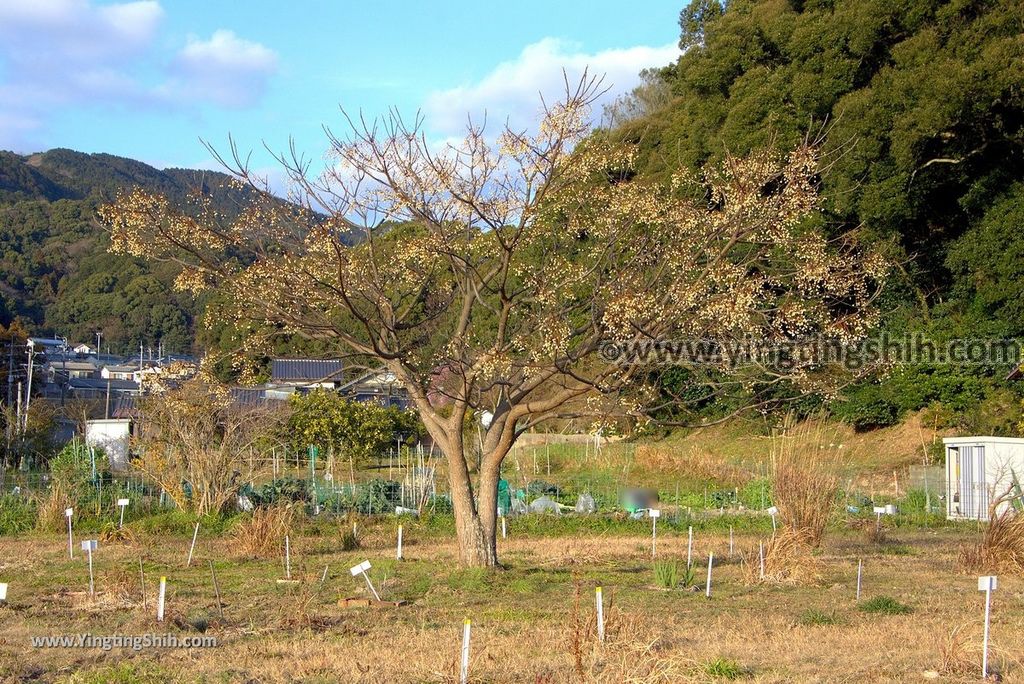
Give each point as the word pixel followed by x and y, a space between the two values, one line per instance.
pixel 920 106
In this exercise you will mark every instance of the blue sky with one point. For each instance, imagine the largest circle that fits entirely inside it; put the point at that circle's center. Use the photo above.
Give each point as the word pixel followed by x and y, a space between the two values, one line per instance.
pixel 148 79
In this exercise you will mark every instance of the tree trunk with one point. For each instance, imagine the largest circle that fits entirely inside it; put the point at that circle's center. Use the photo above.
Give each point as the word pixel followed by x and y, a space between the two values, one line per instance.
pixel 475 520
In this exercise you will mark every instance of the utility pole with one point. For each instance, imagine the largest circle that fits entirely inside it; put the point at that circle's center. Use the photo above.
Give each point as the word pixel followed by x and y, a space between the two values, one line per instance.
pixel 28 390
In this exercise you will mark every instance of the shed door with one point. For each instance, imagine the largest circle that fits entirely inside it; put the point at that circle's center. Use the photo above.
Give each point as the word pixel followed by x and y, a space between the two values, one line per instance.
pixel 973 492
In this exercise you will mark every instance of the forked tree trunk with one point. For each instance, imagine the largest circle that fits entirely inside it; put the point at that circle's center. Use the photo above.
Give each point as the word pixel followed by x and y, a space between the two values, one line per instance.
pixel 475 518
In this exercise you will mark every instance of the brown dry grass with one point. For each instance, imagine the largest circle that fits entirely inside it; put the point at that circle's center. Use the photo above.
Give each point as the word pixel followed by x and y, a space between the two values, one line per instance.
pixel 693 464
pixel 261 534
pixel 522 616
pixel 788 559
pixel 51 506
pixel 804 481
pixel 1001 548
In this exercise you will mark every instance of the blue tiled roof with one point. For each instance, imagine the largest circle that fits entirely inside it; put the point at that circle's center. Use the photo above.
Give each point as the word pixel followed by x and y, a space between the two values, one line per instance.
pixel 305 370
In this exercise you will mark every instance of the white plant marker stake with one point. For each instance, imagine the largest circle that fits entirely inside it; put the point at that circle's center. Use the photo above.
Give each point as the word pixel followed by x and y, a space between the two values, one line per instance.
pixel 600 614
pixel 193 547
pixel 160 600
pixel 68 512
pixel 655 514
pixel 760 553
pixel 3 591
pixel 89 546
pixel 464 671
pixel 730 540
pixel 689 547
pixel 773 511
pixel 986 584
pixel 287 558
pixel 122 504
pixel 323 577
pixel 361 570
pixel 860 573
pixel 398 555
pixel 711 561
pixel 504 532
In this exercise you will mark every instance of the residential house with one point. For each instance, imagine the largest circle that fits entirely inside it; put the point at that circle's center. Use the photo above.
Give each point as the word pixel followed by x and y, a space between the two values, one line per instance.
pixel 379 386
pixel 119 372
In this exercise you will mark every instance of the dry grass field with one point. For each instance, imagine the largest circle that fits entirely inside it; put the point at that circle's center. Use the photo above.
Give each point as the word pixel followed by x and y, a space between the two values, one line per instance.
pixel 533 621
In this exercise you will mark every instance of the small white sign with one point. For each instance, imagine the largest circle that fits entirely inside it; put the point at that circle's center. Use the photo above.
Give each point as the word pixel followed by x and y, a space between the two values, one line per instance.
pixel 362 567
pixel 3 591
pixel 68 512
pixel 890 509
pixel 880 510
pixel 987 583
pixel 122 502
pixel 654 512
pixel 89 545
pixel 773 510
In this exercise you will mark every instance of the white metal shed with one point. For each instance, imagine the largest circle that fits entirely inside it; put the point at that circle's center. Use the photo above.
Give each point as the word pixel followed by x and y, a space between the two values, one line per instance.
pixel 113 436
pixel 979 470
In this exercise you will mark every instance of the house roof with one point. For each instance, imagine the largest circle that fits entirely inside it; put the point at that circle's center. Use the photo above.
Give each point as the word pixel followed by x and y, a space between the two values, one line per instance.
pixel 305 370
pixel 72 365
pixel 121 368
pixel 102 384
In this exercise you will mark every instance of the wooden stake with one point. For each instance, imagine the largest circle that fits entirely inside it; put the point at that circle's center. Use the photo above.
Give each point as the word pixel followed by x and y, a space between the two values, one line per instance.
pixel 216 589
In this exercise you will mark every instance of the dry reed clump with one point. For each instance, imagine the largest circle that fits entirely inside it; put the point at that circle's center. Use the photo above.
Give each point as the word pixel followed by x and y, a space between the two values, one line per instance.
pixel 262 533
pixel 805 486
pixel 112 534
pixel 696 465
pixel 874 532
pixel 1001 548
pixel 788 559
pixel 50 508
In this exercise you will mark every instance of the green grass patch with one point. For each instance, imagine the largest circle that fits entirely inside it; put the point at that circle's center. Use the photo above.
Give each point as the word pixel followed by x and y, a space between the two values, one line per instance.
pixel 817 618
pixel 722 668
pixel 666 574
pixel 885 605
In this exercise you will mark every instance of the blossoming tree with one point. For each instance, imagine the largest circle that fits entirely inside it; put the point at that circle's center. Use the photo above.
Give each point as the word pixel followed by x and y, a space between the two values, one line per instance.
pixel 492 277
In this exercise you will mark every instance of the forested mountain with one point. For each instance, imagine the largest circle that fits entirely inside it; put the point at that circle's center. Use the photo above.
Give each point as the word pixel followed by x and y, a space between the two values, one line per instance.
pixel 918 106
pixel 55 272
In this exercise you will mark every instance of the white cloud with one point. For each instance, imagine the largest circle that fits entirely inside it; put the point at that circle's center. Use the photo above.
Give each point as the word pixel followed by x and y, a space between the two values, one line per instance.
pixel 512 90
pixel 64 53
pixel 225 69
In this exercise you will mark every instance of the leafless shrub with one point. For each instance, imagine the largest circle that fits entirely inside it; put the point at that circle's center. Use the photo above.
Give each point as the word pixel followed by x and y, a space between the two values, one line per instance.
pixel 197 433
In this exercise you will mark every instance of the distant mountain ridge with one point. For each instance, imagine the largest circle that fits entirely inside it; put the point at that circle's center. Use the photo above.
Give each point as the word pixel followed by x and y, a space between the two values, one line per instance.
pixel 56 274
pixel 66 174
